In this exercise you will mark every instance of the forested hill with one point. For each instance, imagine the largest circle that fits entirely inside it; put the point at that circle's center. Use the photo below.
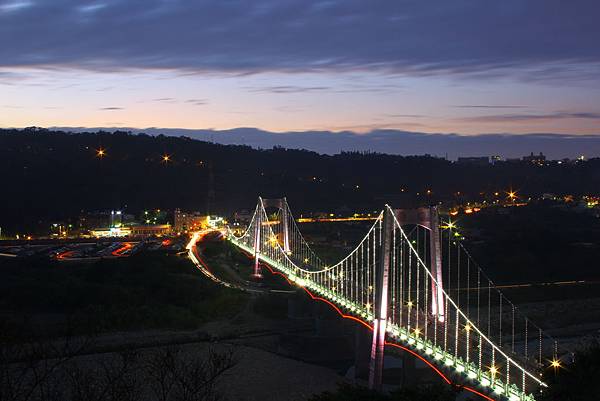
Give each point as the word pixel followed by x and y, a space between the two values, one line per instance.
pixel 53 175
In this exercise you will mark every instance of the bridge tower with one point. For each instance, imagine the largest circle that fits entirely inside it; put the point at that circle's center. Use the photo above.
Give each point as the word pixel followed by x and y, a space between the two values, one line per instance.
pixel 381 303
pixel 282 206
pixel 426 217
pixel 257 231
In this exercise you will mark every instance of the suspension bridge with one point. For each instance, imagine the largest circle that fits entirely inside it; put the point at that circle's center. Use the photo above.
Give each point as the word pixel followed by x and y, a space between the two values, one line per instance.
pixel 412 282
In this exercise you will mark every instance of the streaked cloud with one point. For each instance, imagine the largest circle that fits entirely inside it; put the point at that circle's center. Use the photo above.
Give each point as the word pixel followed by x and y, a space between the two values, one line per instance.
pixel 13 6
pixel 555 38
pixel 489 106
pixel 532 117
pixel 197 102
pixel 289 89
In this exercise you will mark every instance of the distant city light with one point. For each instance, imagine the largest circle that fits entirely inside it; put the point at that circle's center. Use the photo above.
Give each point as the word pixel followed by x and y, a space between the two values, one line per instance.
pixel 100 153
pixel 166 158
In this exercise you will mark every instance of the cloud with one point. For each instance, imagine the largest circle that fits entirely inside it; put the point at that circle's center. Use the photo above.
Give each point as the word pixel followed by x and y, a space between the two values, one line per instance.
pixel 531 117
pixel 489 106
pixel 289 89
pixel 112 108
pixel 197 102
pixel 13 78
pixel 14 6
pixel 537 39
pixel 404 115
pixel 164 99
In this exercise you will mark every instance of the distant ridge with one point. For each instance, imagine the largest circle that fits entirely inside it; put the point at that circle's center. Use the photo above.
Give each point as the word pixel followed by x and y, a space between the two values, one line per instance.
pixel 555 146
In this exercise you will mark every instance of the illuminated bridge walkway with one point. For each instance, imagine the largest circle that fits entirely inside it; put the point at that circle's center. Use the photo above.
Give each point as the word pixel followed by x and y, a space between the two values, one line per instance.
pixel 415 285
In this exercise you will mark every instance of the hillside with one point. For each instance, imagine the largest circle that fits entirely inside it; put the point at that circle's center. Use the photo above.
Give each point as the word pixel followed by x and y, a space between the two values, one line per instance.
pixel 53 175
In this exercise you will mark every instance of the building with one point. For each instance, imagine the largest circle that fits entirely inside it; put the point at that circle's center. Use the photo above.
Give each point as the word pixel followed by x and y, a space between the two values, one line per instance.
pixel 111 232
pixel 189 221
pixel 143 231
pixel 535 159
pixel 474 161
pixel 158 230
pixel 116 218
pixel 495 159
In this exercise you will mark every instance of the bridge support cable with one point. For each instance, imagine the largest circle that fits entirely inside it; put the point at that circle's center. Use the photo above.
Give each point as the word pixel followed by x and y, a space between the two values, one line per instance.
pixel 492 359
pixel 385 283
pixel 513 324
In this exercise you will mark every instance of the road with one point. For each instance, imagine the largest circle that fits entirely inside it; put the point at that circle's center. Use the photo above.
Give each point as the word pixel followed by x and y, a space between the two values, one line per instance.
pixel 200 263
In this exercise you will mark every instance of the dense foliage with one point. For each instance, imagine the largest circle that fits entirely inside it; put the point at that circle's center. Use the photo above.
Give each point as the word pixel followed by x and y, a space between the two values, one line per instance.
pixel 142 291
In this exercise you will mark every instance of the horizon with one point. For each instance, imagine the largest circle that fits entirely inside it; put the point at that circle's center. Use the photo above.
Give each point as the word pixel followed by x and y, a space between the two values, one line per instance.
pixel 392 142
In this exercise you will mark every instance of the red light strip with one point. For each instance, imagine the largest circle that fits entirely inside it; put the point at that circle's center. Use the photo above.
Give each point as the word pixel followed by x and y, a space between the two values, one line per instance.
pixel 435 369
pixel 422 359
pixel 478 393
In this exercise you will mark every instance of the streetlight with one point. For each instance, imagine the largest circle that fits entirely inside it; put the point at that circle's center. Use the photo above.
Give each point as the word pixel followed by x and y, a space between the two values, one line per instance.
pixel 166 158
pixel 450 225
pixel 100 153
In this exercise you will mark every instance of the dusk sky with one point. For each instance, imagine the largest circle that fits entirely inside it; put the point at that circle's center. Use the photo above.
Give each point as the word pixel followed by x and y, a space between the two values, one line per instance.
pixel 460 66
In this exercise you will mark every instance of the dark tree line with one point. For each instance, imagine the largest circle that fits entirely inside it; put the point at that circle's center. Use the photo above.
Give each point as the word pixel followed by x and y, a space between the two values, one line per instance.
pixel 50 175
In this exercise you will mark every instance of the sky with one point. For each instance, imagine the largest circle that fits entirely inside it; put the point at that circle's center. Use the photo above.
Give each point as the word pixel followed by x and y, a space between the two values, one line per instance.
pixel 462 66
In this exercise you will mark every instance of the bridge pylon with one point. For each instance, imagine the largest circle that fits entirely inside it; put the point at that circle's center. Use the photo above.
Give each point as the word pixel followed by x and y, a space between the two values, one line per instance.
pixel 428 218
pixel 284 215
pixel 257 238
pixel 381 303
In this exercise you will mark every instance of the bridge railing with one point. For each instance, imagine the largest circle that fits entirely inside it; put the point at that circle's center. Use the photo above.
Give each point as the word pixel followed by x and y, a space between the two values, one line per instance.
pixel 464 333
